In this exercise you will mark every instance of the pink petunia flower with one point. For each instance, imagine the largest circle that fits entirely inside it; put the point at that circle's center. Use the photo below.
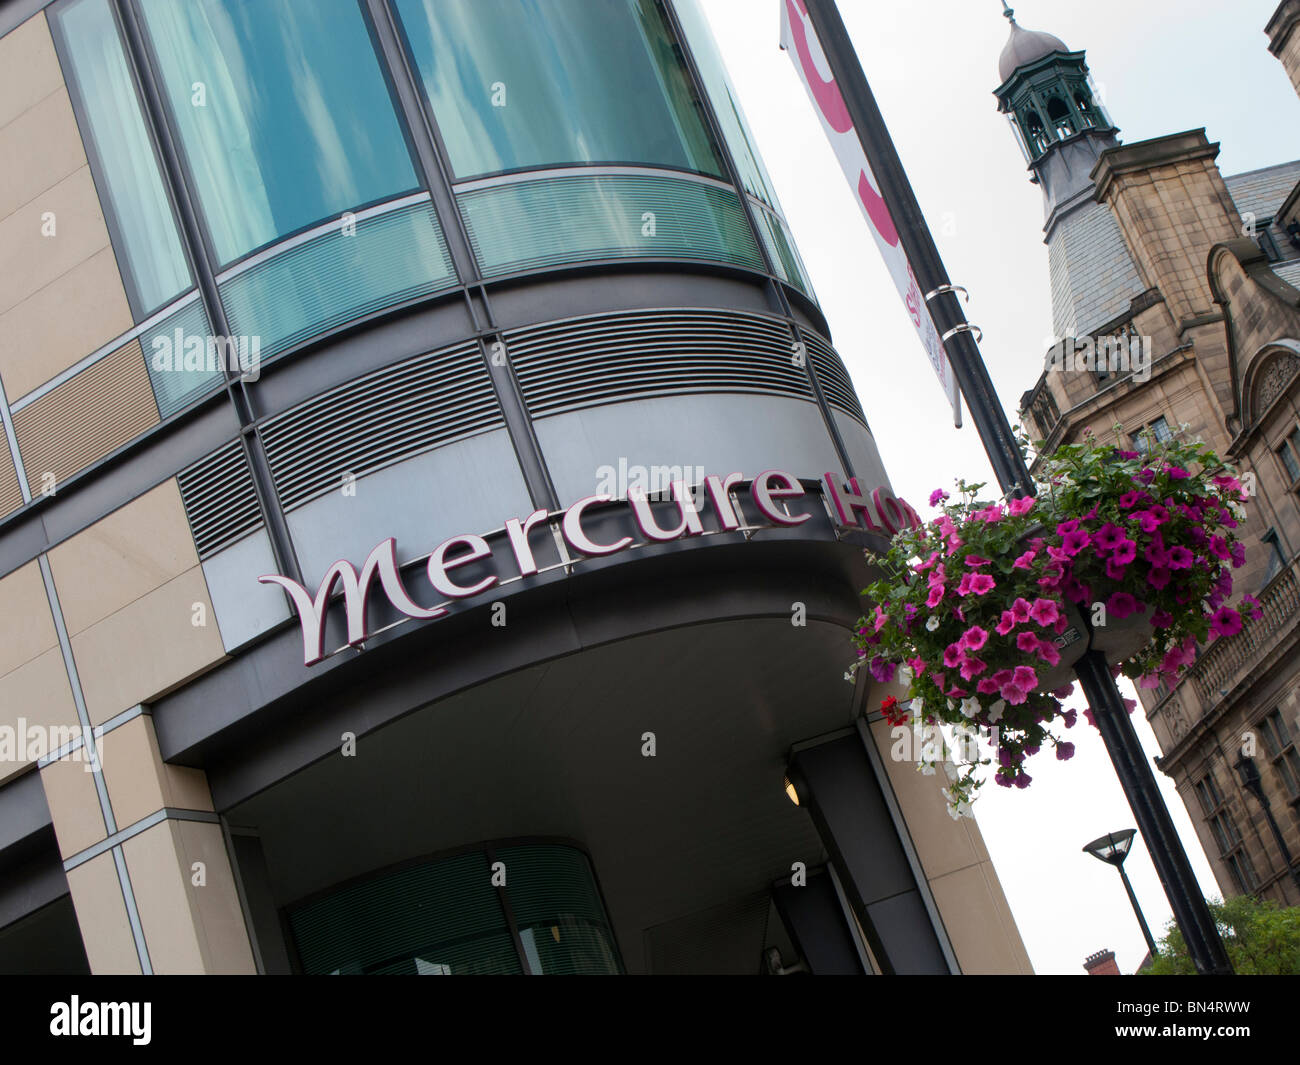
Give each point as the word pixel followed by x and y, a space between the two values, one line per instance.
pixel 1121 605
pixel 1025 677
pixel 1024 560
pixel 1108 537
pixel 976 584
pixel 1021 507
pixel 973 639
pixel 1044 612
pixel 1225 622
pixel 1075 542
pixel 1125 552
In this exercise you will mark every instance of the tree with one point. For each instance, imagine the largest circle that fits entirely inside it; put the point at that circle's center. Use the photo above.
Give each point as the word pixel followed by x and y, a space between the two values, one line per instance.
pixel 1262 938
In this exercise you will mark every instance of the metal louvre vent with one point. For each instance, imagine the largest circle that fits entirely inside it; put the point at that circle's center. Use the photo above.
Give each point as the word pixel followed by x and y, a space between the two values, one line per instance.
pixel 603 359
pixel 378 420
pixel 833 377
pixel 219 498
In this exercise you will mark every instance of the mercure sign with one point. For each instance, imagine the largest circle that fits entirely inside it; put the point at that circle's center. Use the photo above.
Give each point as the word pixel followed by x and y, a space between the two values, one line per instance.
pixel 773 494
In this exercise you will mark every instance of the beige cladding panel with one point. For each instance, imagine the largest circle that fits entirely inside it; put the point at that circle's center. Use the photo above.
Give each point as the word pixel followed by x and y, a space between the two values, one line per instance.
pixel 36 695
pixel 42 339
pixel 86 418
pixel 101 913
pixel 957 865
pixel 147 648
pixel 185 893
pixel 161 888
pixel 26 623
pixel 979 922
pixel 29 68
pixel 31 255
pixel 74 805
pixel 218 917
pixel 47 181
pixel 122 557
pixel 40 147
pixel 140 782
pixel 942 844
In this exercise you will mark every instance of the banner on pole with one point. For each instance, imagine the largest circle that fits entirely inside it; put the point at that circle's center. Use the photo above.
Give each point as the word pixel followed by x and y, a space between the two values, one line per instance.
pixel 800 41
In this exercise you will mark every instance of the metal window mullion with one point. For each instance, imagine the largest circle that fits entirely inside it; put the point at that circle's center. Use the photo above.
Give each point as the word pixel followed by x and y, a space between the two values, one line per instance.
pixel 429 148
pixel 196 239
pixel 738 186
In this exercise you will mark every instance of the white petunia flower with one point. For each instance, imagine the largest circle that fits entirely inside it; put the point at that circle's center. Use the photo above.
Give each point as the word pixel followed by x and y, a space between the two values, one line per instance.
pixel 995 711
pixel 932 623
pixel 970 707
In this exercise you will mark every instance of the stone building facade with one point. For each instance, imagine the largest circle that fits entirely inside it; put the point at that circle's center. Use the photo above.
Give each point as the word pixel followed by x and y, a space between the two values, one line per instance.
pixel 1191 278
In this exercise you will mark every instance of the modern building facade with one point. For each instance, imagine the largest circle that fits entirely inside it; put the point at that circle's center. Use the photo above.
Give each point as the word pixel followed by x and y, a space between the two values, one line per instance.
pixel 1176 307
pixel 433 513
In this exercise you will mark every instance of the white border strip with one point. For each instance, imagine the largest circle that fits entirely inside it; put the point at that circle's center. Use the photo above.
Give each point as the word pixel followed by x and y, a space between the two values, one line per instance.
pixel 276 250
pixel 522 176
pixel 107 349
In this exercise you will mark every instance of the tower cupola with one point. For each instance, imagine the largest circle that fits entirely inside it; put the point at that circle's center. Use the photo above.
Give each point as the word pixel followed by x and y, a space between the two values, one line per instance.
pixel 1046 91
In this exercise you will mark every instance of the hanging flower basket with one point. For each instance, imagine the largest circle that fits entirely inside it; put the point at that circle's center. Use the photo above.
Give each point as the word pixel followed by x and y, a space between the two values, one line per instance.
pixel 984 611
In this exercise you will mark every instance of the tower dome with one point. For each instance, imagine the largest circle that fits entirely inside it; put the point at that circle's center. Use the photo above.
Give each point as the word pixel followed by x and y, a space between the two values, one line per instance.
pixel 1025 47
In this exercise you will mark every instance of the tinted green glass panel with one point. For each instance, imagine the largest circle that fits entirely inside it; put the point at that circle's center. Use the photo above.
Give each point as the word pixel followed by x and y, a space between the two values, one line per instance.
pixel 148 246
pixel 781 249
pixel 182 363
pixel 525 84
pixel 725 101
pixel 443 917
pixel 548 221
pixel 335 277
pixel 562 924
pixel 445 914
pixel 282 111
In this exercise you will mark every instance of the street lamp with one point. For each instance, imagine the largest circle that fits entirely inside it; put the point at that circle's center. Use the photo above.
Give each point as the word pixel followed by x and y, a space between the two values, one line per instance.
pixel 1112 849
pixel 1248 773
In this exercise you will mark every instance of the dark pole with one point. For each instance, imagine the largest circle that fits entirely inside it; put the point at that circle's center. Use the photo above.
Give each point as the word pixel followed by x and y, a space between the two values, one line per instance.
pixel 1131 764
pixel 1253 784
pixel 1137 911
pixel 1281 843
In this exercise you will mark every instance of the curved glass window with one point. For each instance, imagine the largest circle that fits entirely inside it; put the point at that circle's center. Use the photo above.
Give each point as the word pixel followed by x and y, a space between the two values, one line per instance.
pixel 150 255
pixel 283 113
pixel 526 84
pixel 726 104
pixel 444 917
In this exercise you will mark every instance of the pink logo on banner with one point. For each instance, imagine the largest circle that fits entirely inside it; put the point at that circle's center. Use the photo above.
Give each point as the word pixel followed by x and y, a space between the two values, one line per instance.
pixel 798 38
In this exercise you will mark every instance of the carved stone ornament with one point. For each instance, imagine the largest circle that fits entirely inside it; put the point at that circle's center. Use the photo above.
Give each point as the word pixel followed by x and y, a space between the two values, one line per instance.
pixel 1273 380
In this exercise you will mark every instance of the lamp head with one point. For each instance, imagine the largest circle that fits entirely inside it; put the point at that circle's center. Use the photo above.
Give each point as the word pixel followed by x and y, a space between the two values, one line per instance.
pixel 1113 847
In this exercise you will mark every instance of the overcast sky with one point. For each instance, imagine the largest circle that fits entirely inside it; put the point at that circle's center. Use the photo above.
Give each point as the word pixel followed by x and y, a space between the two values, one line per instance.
pixel 1162 66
